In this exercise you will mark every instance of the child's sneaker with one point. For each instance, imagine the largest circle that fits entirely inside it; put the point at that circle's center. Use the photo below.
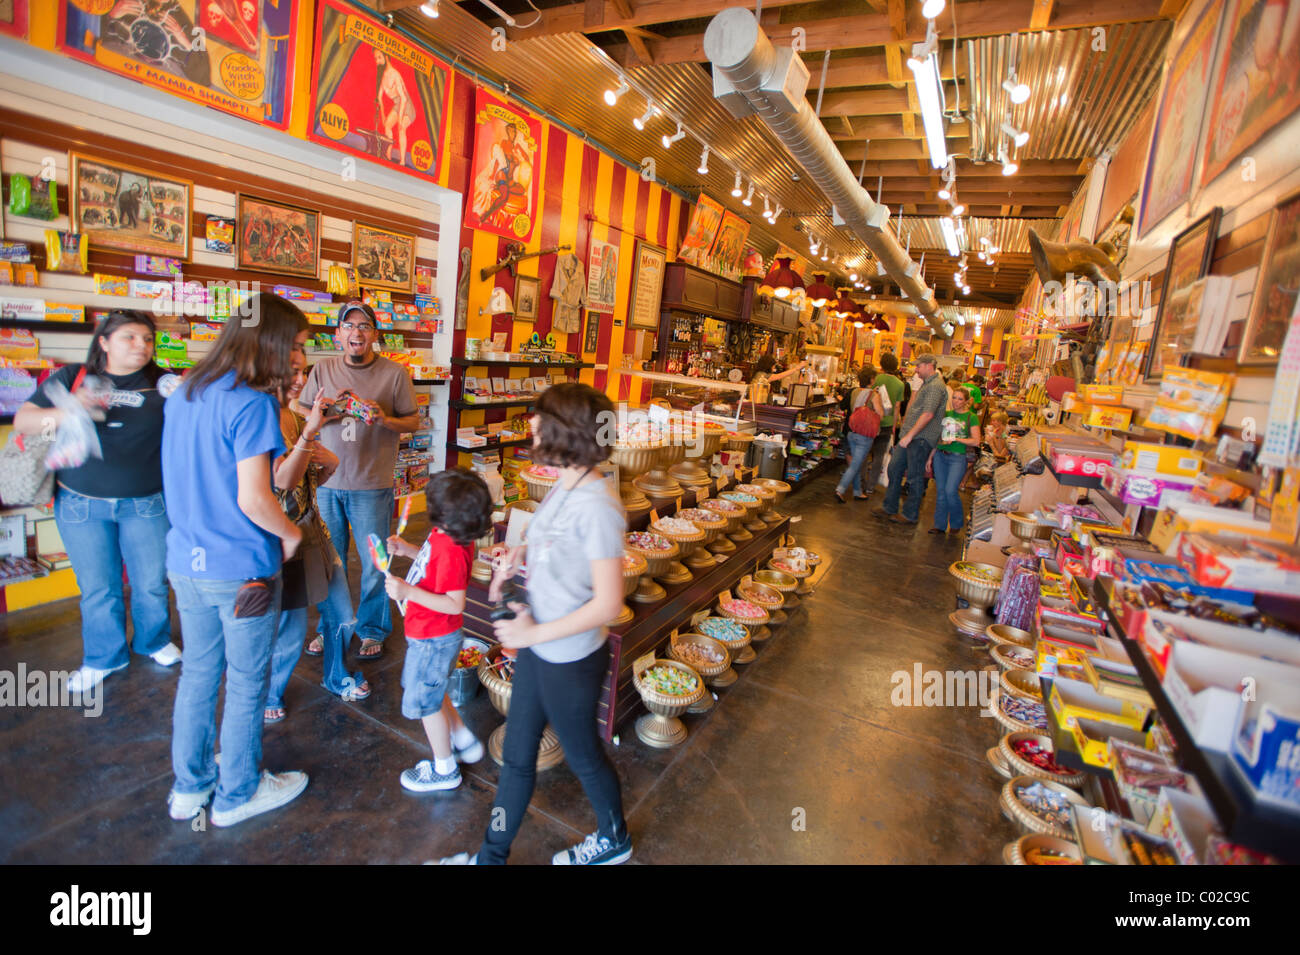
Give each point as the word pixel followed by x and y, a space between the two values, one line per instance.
pixel 425 779
pixel 468 754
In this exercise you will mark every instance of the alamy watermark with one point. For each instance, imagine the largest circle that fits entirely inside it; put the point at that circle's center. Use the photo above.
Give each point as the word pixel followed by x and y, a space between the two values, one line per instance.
pixel 220 301
pixel 653 428
pixel 922 687
pixel 1080 297
pixel 24 688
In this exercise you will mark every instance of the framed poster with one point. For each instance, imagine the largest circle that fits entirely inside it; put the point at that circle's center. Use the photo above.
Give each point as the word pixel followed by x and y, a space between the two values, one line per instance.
pixel 376 95
pixel 729 246
pixel 124 207
pixel 273 236
pixel 1189 259
pixel 799 396
pixel 1276 289
pixel 245 65
pixel 528 289
pixel 705 219
pixel 383 259
pixel 591 336
pixel 602 276
pixel 503 187
pixel 13 18
pixel 647 285
pixel 1258 80
pixel 1175 133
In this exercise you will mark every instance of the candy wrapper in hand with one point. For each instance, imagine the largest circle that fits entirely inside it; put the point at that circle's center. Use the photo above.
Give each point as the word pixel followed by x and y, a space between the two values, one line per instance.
pixel 76 440
pixel 66 251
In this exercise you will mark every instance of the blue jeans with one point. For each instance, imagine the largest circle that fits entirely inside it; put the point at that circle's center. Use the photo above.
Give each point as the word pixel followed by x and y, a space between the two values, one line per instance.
pixel 215 641
pixel 910 460
pixel 859 452
pixel 336 623
pixel 364 513
pixel 99 534
pixel 949 469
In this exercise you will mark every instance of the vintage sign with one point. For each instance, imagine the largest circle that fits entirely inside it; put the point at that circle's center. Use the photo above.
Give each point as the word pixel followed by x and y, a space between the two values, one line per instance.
pixel 504 189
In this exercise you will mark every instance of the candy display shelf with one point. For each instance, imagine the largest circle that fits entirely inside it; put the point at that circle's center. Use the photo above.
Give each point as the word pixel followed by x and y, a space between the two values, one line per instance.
pixel 462 405
pixel 1254 824
pixel 482 362
pixel 489 446
pixel 1072 480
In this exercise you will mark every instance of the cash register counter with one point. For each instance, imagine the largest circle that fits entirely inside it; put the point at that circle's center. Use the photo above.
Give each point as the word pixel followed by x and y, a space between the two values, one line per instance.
pixel 653 623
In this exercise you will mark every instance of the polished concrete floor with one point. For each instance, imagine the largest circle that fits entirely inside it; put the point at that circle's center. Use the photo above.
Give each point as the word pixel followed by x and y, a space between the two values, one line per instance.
pixel 804 760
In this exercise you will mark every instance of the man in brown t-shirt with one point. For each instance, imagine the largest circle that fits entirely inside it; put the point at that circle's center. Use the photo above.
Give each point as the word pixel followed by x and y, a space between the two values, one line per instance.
pixel 359 495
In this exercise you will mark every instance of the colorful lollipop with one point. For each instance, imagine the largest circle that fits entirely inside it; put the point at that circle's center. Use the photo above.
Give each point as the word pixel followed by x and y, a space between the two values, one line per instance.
pixel 406 514
pixel 378 553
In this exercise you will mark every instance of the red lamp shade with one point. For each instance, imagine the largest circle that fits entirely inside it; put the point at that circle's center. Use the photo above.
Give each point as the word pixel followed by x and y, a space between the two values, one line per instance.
pixel 781 279
pixel 844 307
pixel 819 293
pixel 879 322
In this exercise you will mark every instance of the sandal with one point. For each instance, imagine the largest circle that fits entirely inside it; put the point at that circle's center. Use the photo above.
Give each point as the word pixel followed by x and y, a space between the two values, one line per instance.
pixel 354 691
pixel 315 648
pixel 269 715
pixel 367 644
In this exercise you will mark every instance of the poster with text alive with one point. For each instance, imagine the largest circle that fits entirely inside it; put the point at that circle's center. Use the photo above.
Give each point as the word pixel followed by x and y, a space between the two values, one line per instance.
pixel 504 188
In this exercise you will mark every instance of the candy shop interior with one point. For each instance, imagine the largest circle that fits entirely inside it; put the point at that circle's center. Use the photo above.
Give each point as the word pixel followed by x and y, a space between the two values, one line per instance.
pixel 1045 254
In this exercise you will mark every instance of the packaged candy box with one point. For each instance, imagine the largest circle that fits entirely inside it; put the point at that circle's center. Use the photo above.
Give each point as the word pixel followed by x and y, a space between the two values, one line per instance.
pixel 350 405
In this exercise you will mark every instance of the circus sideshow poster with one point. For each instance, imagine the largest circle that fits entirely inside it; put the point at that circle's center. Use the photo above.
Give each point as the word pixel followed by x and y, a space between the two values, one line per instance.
pixel 700 233
pixel 503 188
pixel 232 55
pixel 602 276
pixel 375 95
pixel 729 246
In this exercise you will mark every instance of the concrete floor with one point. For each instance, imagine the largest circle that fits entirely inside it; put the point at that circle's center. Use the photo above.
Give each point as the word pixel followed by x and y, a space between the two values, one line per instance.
pixel 804 760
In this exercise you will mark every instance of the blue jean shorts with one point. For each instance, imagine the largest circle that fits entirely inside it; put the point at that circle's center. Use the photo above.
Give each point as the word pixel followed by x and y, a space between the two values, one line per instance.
pixel 427 672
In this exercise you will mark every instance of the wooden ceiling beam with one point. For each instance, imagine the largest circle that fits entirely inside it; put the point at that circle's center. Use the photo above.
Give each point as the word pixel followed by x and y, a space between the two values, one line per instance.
pixel 1029 168
pixel 898 149
pixel 1042 14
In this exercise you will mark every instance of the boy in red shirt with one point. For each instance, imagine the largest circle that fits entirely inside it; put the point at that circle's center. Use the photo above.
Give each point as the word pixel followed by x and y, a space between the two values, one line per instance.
pixel 460 509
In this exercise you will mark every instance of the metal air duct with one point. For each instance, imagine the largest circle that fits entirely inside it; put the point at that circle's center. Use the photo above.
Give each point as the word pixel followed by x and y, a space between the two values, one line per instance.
pixel 747 67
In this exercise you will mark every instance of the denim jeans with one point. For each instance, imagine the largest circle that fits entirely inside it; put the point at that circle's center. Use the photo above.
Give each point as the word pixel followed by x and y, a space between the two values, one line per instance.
pixel 910 460
pixel 948 471
pixel 565 696
pixel 859 452
pixel 336 623
pixel 879 448
pixel 215 641
pixel 426 673
pixel 99 534
pixel 363 513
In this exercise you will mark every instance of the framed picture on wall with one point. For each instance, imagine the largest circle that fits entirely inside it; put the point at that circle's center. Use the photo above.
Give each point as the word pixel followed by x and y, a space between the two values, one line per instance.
pixel 1189 259
pixel 125 207
pixel 527 290
pixel 383 259
pixel 1276 288
pixel 799 396
pixel 591 336
pixel 274 236
pixel 647 285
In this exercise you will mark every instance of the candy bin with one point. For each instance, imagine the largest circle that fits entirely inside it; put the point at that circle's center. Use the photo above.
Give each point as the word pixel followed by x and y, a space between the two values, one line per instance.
pixel 496 672
pixel 1018 714
pixel 634 568
pixel 779 488
pixel 539 479
pixel 668 689
pixel 784 583
pixel 689 470
pixel 711 524
pixel 707 657
pixel 1032 754
pixel 734 513
pixel 1042 850
pixel 663 490
pixel 657 551
pixel 1039 806
pixel 748 614
pixel 687 537
pixel 752 503
pixel 1011 657
pixel 1000 633
pixel 735 637
pixel 769 598
pixel 634 455
pixel 978 585
pixel 1021 683
pixel 766 501
pixel 738 441
pixel 464 678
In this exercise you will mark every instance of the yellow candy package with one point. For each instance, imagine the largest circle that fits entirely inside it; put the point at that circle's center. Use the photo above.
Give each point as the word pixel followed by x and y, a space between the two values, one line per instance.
pixel 342 280
pixel 66 251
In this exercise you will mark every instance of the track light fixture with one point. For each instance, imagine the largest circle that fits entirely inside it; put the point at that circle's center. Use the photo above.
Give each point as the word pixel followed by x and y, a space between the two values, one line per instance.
pixel 1009 166
pixel 932 8
pixel 749 196
pixel 703 168
pixel 612 96
pixel 675 137
pixel 736 190
pixel 1018 136
pixel 1018 91
pixel 640 121
pixel 430 10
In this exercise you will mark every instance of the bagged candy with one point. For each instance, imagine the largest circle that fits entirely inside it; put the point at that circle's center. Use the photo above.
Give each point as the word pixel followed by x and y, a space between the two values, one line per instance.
pixel 66 251
pixel 342 280
pixel 76 440
pixel 34 198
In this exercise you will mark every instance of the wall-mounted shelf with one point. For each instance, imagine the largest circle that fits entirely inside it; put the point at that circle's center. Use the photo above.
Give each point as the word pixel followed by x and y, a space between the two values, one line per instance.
pixel 461 405
pixel 484 362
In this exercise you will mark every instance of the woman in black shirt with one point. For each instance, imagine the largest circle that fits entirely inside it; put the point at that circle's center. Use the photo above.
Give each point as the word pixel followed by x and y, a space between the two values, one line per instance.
pixel 109 510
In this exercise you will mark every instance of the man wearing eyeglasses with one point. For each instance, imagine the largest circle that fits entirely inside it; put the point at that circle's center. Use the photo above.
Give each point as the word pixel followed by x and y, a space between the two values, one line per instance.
pixel 359 495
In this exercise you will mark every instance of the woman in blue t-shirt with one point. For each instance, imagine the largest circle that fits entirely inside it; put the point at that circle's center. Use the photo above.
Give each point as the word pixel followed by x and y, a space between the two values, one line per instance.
pixel 109 510
pixel 228 538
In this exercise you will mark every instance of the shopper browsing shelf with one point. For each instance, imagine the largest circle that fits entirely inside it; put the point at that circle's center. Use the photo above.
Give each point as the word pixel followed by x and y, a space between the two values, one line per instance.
pixel 227 542
pixel 959 432
pixel 315 575
pixel 358 497
pixel 575 586
pixel 460 510
pixel 109 510
pixel 921 429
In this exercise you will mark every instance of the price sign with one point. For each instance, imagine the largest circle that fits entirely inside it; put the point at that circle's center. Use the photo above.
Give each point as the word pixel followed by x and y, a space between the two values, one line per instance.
pixel 643 663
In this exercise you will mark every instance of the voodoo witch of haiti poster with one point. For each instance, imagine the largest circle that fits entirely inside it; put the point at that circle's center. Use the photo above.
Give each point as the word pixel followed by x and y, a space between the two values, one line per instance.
pixel 233 56
pixel 503 198
pixel 376 95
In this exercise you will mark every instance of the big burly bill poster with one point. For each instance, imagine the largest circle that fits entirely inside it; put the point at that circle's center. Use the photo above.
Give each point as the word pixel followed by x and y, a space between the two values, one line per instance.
pixel 504 190
pixel 376 95
pixel 232 55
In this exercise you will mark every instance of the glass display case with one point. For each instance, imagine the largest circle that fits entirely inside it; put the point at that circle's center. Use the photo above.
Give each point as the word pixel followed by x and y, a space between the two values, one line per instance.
pixel 825 365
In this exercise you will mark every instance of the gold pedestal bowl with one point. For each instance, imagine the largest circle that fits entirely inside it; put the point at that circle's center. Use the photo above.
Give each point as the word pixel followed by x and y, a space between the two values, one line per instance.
pixel 738 440
pixel 539 480
pixel 707 657
pixel 766 501
pixel 658 552
pixel 633 461
pixel 978 585
pixel 634 568
pixel 661 727
pixel 769 598
pixel 711 523
pixel 735 637
pixel 499 688
pixel 749 522
pixel 749 615
pixel 692 468
pixel 734 514
pixel 785 583
pixel 657 484
pixel 687 537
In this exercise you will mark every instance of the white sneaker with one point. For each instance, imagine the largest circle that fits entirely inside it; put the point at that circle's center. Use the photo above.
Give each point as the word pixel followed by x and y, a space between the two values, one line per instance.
pixel 424 778
pixel 168 656
pixel 87 678
pixel 470 754
pixel 273 792
pixel 187 805
pixel 460 858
